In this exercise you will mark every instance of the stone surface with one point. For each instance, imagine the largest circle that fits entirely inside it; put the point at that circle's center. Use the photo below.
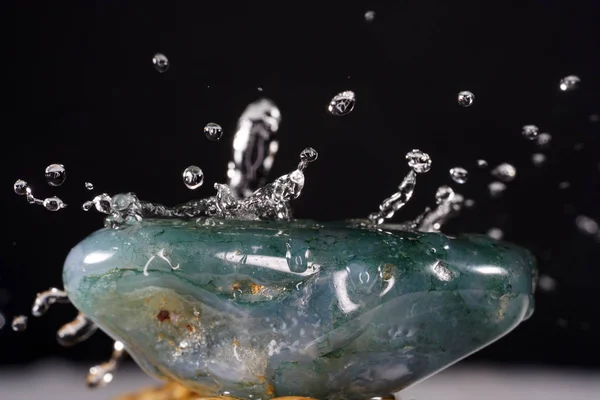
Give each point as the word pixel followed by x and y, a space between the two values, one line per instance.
pixel 297 309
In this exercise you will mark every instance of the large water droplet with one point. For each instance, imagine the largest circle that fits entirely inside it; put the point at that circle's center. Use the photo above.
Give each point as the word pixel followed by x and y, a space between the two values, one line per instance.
pixel 76 331
pixel 570 82
pixel 505 172
pixel 160 62
pixel 530 131
pixel 53 203
pixel 369 15
pixel 419 161
pixel 21 187
pixel 586 225
pixel 466 98
pixel 55 174
pixel 496 188
pixel 19 323
pixel 459 174
pixel 213 131
pixel 193 177
pixel 342 103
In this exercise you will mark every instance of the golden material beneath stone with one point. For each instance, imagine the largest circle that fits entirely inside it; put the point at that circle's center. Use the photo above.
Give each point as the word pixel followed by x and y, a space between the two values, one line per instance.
pixel 176 391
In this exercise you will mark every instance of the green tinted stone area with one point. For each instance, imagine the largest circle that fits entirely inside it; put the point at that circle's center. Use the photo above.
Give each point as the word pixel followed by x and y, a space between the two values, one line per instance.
pixel 268 308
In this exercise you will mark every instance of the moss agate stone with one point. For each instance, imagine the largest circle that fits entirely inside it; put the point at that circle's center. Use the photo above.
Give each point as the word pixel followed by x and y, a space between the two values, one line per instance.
pixel 264 308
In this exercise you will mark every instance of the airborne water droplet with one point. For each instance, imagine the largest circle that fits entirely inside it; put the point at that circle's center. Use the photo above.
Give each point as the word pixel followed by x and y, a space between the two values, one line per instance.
pixel 160 62
pixel 21 187
pixel 505 172
pixel 369 15
pixel 213 131
pixel 309 154
pixel 53 203
pixel 495 233
pixel 342 103
pixel 89 186
pixel 569 83
pixel 543 139
pixel 538 159
pixel 482 163
pixel 496 188
pixel 193 177
pixel 530 131
pixel 19 323
pixel 466 98
pixel 419 161
pixel 459 175
pixel 55 174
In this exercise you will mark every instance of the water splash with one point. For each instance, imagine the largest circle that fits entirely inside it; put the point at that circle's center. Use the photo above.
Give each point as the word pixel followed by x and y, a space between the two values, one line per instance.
pixel 76 331
pixel 569 83
pixel 370 16
pixel 254 147
pixel 530 131
pixel 102 374
pixel 505 172
pixel 44 300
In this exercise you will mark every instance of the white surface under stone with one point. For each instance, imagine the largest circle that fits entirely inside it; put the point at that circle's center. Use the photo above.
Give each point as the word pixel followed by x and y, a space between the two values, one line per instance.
pixel 57 380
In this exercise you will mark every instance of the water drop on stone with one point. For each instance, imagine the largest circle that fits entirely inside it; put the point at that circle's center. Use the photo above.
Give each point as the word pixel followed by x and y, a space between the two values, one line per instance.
pixel 53 203
pixel 55 174
pixel 569 83
pixel 538 159
pixel 505 172
pixel 369 16
pixel 19 323
pixel 89 186
pixel 530 131
pixel 495 233
pixel 444 194
pixel 459 175
pixel 87 205
pixel 193 177
pixel 419 161
pixel 260 89
pixel 469 203
pixel 466 98
pixel 213 131
pixel 160 62
pixel 496 188
pixel 482 163
pixel 21 187
pixel 342 103
pixel 543 139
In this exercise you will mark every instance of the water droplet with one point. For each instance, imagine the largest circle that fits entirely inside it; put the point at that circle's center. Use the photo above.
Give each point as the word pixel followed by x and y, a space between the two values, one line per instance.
pixel 19 323
pixel 594 118
pixel 505 172
pixel 495 233
pixel 569 83
pixel 54 203
pixel 160 62
pixel 543 139
pixel 586 225
pixel 89 186
pixel 538 159
pixel 213 131
pixel 369 15
pixel 309 154
pixel 444 194
pixel 459 175
pixel 122 201
pixel 193 177
pixel 547 283
pixel 466 98
pixel 76 331
pixel 469 203
pixel 55 174
pixel 419 161
pixel 21 187
pixel 482 163
pixel 530 131
pixel 496 188
pixel 342 103
pixel 564 185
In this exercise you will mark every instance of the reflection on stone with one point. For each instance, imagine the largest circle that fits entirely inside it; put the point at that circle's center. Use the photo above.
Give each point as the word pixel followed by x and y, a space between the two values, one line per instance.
pixel 271 308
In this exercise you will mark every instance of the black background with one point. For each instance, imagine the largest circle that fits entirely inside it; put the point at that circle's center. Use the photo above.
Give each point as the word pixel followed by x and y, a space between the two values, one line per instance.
pixel 86 95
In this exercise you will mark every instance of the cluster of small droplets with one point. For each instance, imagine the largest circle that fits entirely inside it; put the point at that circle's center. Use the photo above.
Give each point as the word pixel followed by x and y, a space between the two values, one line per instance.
pixel 160 62
pixel 466 98
pixel 53 203
pixel 342 103
pixel 213 131
pixel 569 83
pixel 76 331
pixel 459 175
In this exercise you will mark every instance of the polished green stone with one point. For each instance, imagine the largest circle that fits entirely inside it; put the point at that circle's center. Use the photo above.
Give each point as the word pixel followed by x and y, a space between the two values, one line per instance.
pixel 268 308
